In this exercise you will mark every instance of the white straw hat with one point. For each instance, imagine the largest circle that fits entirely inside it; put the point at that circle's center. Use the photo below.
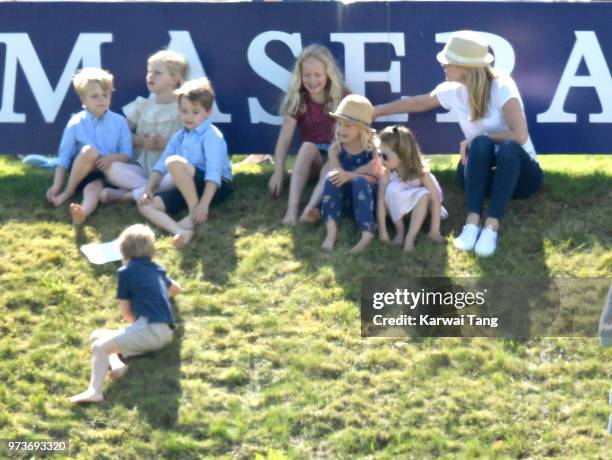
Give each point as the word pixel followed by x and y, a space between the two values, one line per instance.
pixel 466 48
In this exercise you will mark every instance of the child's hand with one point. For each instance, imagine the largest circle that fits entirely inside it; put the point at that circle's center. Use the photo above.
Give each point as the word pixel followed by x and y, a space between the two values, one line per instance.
pixel 436 237
pixel 103 163
pixel 275 184
pixel 148 141
pixel 339 177
pixel 159 142
pixel 52 192
pixel 199 214
pixel 145 198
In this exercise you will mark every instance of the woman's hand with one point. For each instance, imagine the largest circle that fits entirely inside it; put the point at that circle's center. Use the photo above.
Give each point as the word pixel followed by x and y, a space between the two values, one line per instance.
pixel 464 146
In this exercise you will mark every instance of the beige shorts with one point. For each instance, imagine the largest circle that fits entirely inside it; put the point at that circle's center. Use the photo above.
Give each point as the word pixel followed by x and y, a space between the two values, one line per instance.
pixel 141 337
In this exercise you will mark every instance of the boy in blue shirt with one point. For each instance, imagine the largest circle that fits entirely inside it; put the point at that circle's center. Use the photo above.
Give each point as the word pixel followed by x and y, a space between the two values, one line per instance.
pixel 196 159
pixel 143 293
pixel 92 141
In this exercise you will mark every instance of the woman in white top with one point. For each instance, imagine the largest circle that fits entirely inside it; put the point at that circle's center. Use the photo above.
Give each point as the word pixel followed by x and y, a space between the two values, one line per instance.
pixel 497 157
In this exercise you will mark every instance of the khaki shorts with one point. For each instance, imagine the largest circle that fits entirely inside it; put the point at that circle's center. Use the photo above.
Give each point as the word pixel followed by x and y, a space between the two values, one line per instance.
pixel 141 337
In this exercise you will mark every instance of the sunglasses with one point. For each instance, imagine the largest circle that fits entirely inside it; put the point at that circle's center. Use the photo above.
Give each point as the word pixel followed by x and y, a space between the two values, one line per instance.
pixel 386 156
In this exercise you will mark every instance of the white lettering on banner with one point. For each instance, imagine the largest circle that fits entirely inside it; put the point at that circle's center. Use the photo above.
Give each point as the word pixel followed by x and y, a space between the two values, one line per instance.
pixel 269 70
pixel 19 49
pixel 587 48
pixel 504 61
pixel 354 63
pixel 181 42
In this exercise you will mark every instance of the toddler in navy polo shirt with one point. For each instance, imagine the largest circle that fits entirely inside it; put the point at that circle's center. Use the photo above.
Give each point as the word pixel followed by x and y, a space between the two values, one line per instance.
pixel 143 293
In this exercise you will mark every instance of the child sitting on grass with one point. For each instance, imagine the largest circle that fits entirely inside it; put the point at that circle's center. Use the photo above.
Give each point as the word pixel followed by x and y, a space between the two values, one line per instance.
pixel 143 292
pixel 94 141
pixel 195 160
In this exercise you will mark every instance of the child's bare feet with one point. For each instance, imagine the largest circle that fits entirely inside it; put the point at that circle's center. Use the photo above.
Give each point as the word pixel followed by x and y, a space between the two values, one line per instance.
pixel 78 213
pixel 60 199
pixel 311 216
pixel 366 238
pixel 88 396
pixel 118 373
pixel 182 238
pixel 290 218
pixel 409 244
pixel 111 195
pixel 328 243
pixel 397 240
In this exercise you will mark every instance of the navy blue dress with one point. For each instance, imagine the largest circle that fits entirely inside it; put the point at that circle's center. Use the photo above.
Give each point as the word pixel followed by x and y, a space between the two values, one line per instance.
pixel 359 191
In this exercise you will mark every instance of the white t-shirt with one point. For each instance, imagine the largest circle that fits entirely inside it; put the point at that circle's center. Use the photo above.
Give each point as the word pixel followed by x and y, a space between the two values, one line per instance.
pixel 453 96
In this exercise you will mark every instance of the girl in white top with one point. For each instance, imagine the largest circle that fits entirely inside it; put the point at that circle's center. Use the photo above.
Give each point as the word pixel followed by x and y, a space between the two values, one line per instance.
pixel 152 121
pixel 497 156
pixel 155 118
pixel 406 187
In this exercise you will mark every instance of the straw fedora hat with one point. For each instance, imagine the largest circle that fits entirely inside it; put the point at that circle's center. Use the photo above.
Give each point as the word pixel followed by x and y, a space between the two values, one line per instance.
pixel 355 109
pixel 466 48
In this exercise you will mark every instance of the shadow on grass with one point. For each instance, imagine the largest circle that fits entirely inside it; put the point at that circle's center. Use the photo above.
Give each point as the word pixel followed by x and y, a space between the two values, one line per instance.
pixel 153 383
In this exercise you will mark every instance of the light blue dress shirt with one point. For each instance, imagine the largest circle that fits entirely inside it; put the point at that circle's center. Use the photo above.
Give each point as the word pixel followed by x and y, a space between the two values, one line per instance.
pixel 204 148
pixel 109 134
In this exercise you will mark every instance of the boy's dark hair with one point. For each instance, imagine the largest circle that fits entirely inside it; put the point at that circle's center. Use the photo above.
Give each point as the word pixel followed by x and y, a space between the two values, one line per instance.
pixel 199 90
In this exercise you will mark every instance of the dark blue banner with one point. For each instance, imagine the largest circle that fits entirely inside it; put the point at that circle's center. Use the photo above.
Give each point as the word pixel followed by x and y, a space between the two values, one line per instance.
pixel 559 54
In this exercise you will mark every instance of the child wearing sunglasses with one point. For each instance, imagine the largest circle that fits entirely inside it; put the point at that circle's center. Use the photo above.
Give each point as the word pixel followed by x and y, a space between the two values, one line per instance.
pixel 406 187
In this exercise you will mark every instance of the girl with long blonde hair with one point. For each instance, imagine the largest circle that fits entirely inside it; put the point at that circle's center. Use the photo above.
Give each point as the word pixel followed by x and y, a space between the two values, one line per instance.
pixel 315 90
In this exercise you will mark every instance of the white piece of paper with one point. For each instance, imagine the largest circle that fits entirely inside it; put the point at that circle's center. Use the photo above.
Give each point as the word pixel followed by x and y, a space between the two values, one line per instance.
pixel 101 253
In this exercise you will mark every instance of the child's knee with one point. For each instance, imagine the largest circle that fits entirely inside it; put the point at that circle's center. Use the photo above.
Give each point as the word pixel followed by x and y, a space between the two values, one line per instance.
pixel 175 161
pixel 93 187
pixel 89 152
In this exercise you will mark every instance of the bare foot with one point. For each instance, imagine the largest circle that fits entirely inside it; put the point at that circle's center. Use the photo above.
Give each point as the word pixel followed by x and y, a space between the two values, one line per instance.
pixel 111 195
pixel 290 219
pixel 88 396
pixel 311 216
pixel 186 223
pixel 397 240
pixel 328 242
pixel 409 245
pixel 60 199
pixel 366 238
pixel 182 238
pixel 118 373
pixel 78 213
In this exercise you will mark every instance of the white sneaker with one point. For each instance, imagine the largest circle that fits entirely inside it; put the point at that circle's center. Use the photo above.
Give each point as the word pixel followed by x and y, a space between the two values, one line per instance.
pixel 468 237
pixel 487 241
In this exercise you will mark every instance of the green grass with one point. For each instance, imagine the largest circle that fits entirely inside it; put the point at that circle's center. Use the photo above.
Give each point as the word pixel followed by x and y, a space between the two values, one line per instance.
pixel 268 361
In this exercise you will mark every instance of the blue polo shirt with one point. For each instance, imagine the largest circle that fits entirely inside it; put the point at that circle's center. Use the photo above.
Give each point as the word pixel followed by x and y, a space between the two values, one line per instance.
pixel 109 134
pixel 203 147
pixel 145 284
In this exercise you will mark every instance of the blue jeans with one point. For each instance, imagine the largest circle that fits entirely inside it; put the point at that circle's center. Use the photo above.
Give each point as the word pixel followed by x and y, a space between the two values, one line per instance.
pixel 516 175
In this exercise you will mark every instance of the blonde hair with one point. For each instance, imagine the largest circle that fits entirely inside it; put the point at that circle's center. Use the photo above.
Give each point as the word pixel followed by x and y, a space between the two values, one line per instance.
pixel 175 63
pixel 365 135
pixel 88 76
pixel 297 95
pixel 137 241
pixel 199 90
pixel 402 141
pixel 479 89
